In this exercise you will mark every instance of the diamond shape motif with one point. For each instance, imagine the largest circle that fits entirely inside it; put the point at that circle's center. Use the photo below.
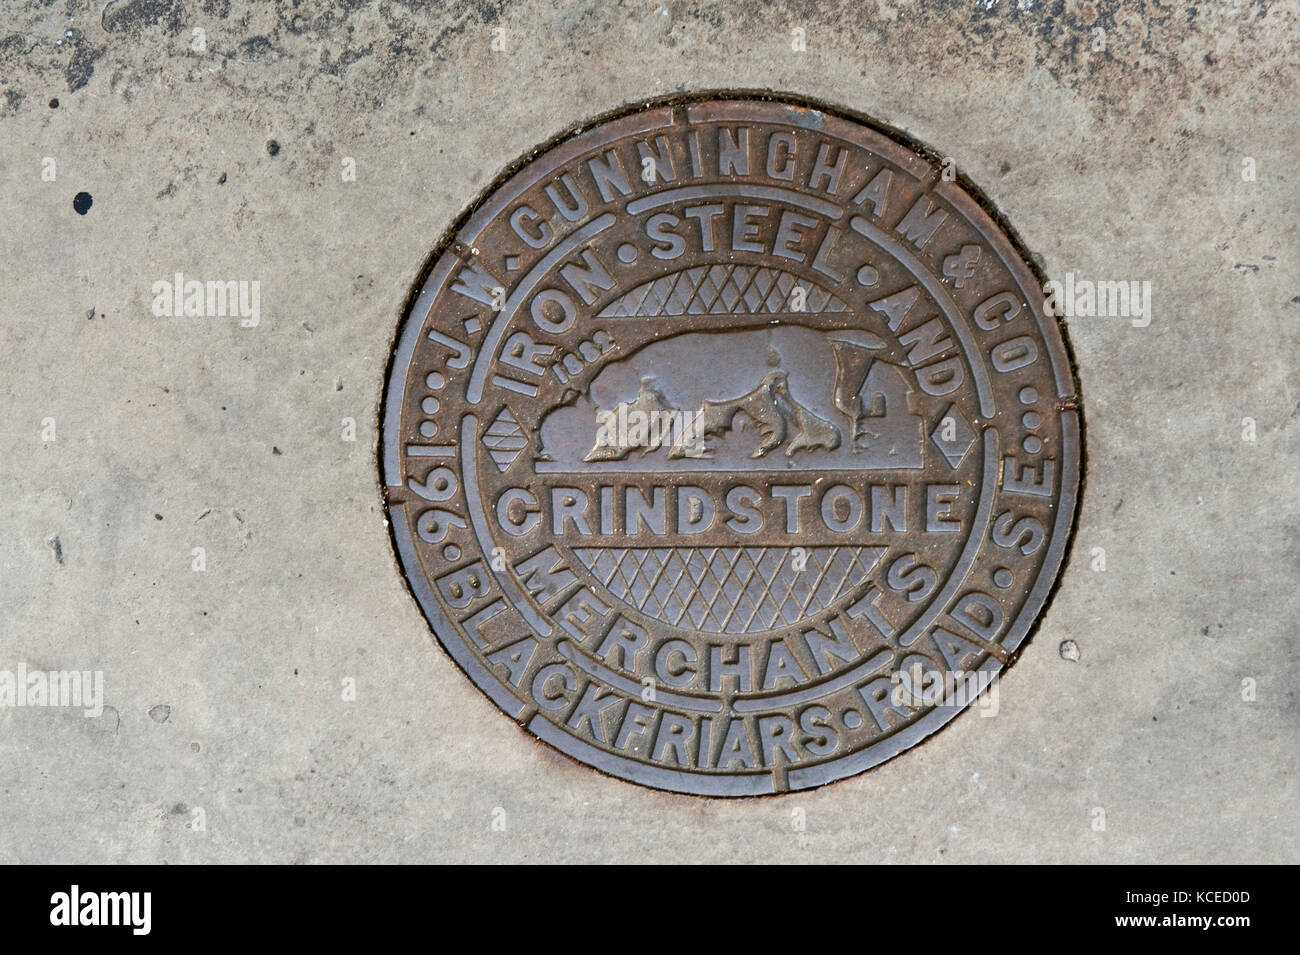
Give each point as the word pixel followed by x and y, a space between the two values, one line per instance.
pixel 953 436
pixel 504 439
pixel 729 589
pixel 718 290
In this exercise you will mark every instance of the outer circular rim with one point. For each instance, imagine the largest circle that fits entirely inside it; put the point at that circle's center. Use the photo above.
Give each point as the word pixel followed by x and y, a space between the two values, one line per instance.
pixel 977 209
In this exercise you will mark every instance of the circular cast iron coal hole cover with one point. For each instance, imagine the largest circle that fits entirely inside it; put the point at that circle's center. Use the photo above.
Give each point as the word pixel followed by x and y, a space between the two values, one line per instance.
pixel 727 446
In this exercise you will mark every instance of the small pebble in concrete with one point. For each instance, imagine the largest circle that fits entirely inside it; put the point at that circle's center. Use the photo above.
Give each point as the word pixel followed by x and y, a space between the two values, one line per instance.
pixel 1069 651
pixel 160 713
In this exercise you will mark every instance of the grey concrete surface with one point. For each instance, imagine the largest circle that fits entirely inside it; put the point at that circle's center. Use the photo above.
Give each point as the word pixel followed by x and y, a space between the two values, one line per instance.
pixel 225 735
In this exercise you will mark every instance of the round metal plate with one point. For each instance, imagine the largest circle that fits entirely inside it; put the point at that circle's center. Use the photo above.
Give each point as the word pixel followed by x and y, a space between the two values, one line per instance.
pixel 728 447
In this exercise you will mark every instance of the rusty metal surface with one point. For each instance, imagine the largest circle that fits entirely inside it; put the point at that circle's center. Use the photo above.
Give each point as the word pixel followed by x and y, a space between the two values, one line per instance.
pixel 728 447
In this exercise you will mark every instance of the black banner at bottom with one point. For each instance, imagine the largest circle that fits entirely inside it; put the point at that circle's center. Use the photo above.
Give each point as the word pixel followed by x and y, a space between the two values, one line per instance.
pixel 332 904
